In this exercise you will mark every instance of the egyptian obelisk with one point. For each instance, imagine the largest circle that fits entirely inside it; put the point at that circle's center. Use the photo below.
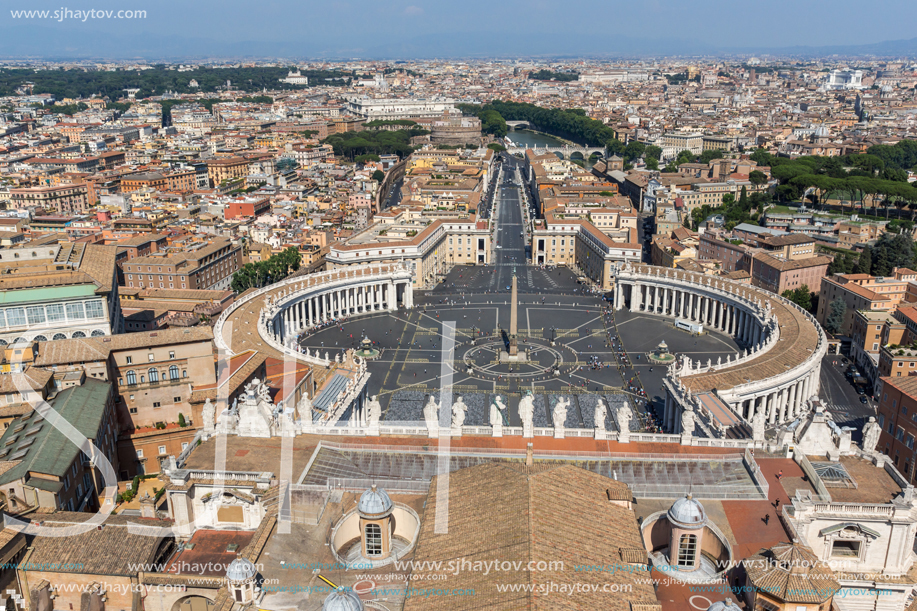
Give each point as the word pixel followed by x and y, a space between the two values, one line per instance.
pixel 513 320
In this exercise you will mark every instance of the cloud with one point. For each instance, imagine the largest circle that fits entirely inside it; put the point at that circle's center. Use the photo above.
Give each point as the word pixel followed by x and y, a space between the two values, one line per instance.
pixel 413 10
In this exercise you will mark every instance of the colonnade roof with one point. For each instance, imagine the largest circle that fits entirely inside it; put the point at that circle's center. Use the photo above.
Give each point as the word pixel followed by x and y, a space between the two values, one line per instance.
pixel 798 340
pixel 240 331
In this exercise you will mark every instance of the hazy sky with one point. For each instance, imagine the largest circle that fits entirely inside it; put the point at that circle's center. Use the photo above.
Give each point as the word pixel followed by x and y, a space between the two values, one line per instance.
pixel 339 28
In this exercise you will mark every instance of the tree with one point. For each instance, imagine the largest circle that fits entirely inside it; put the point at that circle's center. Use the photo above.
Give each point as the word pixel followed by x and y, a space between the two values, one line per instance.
pixel 882 265
pixel 378 176
pixel 634 150
pixel 864 263
pixel 743 198
pixel 493 123
pixel 708 156
pixel 800 296
pixel 757 178
pixel 729 199
pixel 652 163
pixel 367 157
pixel 653 151
pixel 494 146
pixel 685 156
pixel 835 321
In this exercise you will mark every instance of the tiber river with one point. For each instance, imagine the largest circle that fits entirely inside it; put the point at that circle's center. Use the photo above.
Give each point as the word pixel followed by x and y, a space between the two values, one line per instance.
pixel 526 137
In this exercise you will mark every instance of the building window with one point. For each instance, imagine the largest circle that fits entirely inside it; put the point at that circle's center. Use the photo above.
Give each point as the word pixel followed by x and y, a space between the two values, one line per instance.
pixel 162 449
pixel 129 360
pixel 133 410
pixel 171 355
pixel 156 404
pixel 687 550
pixel 845 548
pixel 173 372
pixel 139 453
pixel 154 374
pixel 131 378
pixel 176 399
pixel 373 540
pixel 150 357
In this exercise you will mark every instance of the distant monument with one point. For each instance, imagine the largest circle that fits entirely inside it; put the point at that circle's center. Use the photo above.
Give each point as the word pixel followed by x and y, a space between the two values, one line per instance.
pixel 513 355
pixel 513 319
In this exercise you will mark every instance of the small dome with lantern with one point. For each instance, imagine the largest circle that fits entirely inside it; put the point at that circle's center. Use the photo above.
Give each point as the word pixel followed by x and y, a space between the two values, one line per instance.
pixel 343 599
pixel 375 503
pixel 240 569
pixel 687 513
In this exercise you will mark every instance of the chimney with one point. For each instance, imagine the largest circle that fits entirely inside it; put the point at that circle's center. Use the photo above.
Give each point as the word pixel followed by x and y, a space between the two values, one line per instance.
pixel 529 455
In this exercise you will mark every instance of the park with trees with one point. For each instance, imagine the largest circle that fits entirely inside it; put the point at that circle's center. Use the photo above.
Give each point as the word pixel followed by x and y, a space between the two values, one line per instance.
pixel 261 273
pixel 871 180
pixel 369 144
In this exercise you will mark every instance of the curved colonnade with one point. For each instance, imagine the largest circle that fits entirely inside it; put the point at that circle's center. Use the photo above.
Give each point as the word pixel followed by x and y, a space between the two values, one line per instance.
pixel 269 320
pixel 773 378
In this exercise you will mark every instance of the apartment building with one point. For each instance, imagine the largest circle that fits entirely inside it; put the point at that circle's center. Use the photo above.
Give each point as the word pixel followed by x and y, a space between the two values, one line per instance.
pixel 65 199
pixel 673 143
pixel 778 274
pixel 246 207
pixel 373 109
pixel 49 471
pixel 861 292
pixel 224 169
pixel 181 180
pixel 155 373
pixel 730 253
pixel 674 248
pixel 429 249
pixel 897 415
pixel 561 239
pixel 198 265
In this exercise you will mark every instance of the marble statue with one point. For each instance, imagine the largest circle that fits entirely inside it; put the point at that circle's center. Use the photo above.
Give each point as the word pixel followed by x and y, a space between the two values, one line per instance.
pixel 559 417
pixel 496 418
pixel 373 411
pixel 527 414
pixel 624 417
pixel 687 422
pixel 458 412
pixel 208 414
pixel 601 412
pixel 256 412
pixel 757 426
pixel 431 414
pixel 498 401
pixel 871 432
